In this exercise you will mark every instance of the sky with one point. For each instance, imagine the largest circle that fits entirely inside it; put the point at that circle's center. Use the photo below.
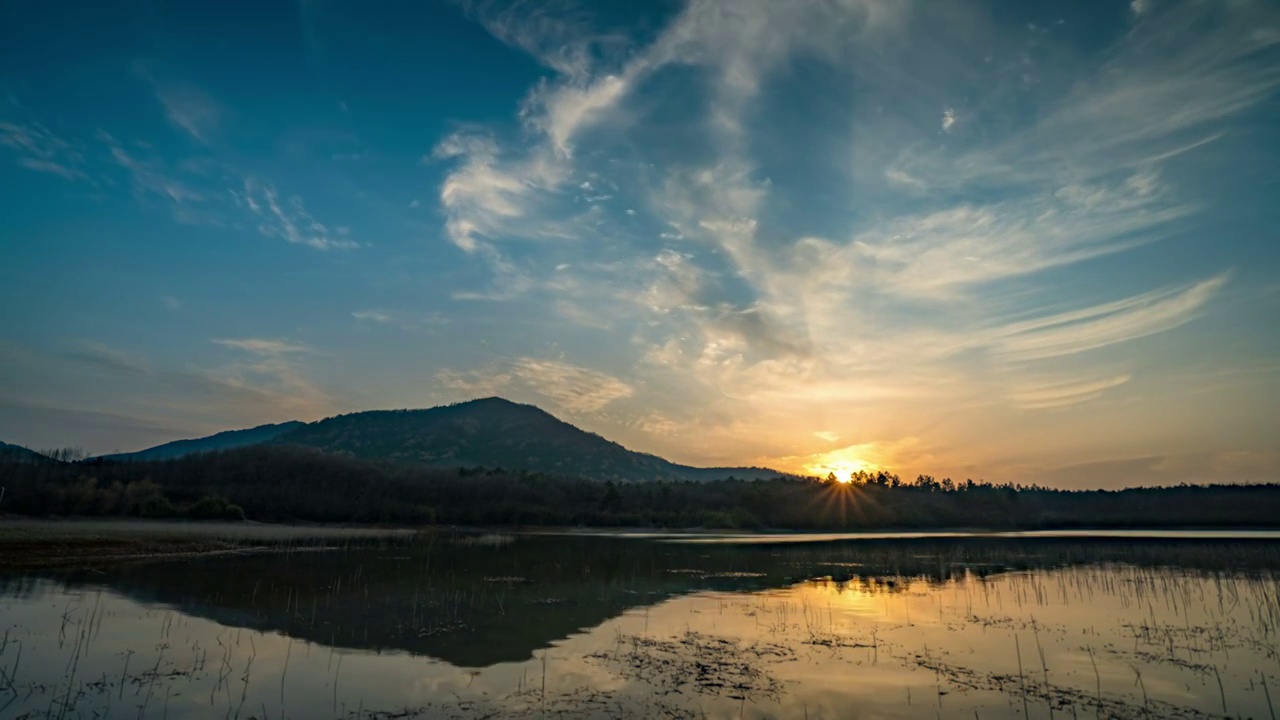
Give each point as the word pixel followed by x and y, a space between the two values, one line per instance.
pixel 1030 242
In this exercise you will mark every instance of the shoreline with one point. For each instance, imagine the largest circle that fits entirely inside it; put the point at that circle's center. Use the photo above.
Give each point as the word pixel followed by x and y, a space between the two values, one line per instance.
pixel 85 556
pixel 28 544
pixel 303 528
pixel 83 543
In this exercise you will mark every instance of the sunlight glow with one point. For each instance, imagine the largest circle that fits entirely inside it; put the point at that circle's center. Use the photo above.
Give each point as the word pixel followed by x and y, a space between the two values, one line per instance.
pixel 869 457
pixel 841 462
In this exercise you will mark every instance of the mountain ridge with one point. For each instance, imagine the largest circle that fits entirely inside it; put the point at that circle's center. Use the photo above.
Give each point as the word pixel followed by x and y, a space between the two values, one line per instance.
pixel 24 454
pixel 495 432
pixel 224 440
pixel 487 432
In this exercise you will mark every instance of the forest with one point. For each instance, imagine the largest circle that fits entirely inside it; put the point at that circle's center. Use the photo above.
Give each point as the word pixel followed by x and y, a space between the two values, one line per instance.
pixel 298 484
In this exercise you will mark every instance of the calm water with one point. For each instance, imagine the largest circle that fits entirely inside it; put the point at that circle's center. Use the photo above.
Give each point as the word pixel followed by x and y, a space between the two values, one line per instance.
pixel 600 627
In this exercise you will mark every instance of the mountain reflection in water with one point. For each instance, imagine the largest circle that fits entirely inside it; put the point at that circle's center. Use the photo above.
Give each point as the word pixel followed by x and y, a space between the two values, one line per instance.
pixel 501 602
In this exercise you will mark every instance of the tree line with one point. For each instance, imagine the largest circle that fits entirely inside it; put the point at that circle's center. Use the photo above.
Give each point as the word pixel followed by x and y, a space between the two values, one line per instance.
pixel 286 483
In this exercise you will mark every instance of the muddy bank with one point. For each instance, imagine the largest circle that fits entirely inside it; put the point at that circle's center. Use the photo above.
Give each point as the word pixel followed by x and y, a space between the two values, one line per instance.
pixel 88 552
pixel 27 544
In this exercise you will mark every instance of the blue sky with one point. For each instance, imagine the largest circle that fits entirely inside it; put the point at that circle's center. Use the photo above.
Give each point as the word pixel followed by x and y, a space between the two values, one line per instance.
pixel 1029 242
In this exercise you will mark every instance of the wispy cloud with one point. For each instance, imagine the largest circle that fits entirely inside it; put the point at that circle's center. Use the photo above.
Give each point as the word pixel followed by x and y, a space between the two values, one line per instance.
pixel 191 188
pixel 39 149
pixel 948 118
pixel 275 373
pixel 288 219
pixel 569 388
pixel 262 346
pixel 53 168
pixel 39 423
pixel 374 316
pixel 481 197
pixel 550 31
pixel 1103 325
pixel 574 388
pixel 109 385
pixel 153 181
pixel 467 385
pixel 186 106
pixel 103 355
pixel 411 321
pixel 1154 93
pixel 150 179
pixel 1163 469
pixel 969 243
pixel 1059 393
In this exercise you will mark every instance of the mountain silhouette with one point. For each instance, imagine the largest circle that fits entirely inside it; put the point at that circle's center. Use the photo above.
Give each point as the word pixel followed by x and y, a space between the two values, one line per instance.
pixel 225 440
pixel 489 432
pixel 19 453
pixel 495 432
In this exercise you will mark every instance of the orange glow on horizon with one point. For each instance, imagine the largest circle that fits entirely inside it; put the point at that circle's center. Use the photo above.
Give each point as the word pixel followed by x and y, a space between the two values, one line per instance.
pixel 868 457
pixel 842 463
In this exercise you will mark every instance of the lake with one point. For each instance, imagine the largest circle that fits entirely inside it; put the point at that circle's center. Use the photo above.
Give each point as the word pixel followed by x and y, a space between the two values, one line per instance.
pixel 659 626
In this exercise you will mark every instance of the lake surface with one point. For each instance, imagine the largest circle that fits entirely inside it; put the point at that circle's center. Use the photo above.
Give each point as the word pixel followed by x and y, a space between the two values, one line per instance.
pixel 505 626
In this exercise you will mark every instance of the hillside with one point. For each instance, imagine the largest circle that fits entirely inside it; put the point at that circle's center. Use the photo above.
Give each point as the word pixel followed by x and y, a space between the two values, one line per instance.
pixel 12 453
pixel 494 432
pixel 491 433
pixel 221 441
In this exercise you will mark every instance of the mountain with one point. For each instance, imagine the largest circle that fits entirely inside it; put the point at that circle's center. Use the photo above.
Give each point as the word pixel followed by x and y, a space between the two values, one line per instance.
pixel 491 432
pixel 494 432
pixel 221 441
pixel 17 452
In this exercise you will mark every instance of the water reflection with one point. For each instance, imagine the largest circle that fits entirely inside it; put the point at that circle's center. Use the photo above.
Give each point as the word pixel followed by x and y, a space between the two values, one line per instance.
pixel 602 627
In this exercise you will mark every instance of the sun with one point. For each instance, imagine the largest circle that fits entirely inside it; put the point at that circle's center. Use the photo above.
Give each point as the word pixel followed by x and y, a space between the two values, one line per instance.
pixel 841 462
pixel 843 467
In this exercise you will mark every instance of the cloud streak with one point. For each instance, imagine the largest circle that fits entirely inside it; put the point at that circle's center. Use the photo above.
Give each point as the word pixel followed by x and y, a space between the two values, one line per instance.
pixel 569 388
pixel 263 346
pixel 41 150
pixel 107 384
pixel 1061 393
pixel 289 220
pixel 1104 325
pixel 374 316
pixel 187 107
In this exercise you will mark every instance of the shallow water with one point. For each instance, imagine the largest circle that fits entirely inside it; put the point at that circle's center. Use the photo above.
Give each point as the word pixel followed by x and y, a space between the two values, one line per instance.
pixel 530 626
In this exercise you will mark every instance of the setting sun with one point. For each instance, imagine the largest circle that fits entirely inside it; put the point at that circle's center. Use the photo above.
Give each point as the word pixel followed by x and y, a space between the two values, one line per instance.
pixel 841 463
